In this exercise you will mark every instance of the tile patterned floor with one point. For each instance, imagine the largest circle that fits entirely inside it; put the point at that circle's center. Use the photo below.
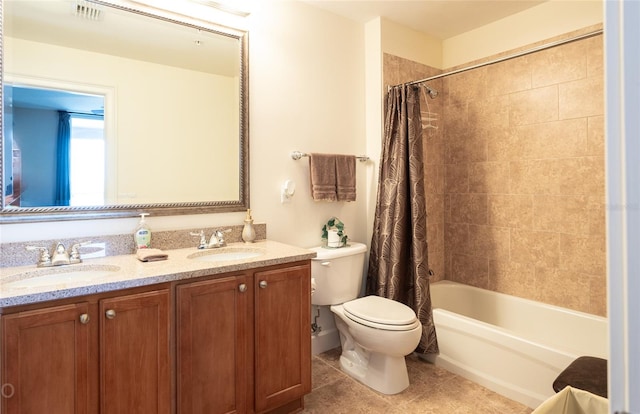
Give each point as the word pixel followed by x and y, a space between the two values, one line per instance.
pixel 433 390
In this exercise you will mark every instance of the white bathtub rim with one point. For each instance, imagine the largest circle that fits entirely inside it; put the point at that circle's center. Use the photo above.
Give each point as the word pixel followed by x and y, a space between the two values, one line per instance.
pixel 530 301
pixel 603 353
pixel 513 343
pixel 521 344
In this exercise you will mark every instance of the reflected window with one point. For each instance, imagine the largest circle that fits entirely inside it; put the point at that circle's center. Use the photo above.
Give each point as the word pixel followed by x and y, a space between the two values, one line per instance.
pixel 87 167
pixel 41 173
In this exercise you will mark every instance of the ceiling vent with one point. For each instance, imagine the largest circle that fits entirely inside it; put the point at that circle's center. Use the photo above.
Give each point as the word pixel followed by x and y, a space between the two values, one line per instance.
pixel 88 10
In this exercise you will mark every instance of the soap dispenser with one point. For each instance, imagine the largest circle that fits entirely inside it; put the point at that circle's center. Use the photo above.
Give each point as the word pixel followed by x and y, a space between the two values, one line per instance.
pixel 248 232
pixel 142 235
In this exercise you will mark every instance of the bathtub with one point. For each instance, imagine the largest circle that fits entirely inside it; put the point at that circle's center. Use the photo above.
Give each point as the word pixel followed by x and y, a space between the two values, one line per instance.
pixel 515 347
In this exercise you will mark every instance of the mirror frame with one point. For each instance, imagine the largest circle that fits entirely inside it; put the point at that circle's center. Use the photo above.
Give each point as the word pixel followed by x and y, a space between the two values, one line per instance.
pixel 54 213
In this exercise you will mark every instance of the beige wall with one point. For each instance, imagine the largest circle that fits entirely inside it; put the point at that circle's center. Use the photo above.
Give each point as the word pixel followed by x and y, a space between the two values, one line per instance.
pixel 549 19
pixel 302 100
pixel 409 44
pixel 522 177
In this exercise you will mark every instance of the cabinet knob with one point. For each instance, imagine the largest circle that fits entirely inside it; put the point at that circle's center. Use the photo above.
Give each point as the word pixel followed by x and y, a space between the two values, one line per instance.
pixel 110 314
pixel 84 318
pixel 242 287
pixel 263 284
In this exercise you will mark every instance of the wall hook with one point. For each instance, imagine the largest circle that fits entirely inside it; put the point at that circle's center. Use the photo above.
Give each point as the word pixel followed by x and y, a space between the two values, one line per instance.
pixel 287 192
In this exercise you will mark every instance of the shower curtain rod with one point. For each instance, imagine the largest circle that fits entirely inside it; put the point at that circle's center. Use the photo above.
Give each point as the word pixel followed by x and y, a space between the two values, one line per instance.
pixel 502 59
pixel 84 114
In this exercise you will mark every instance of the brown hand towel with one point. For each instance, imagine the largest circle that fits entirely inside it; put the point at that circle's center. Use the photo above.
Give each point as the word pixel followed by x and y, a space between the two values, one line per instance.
pixel 151 255
pixel 346 177
pixel 322 170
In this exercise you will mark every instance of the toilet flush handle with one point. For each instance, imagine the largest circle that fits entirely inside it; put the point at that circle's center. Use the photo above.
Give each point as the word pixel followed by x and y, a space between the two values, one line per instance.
pixel 326 263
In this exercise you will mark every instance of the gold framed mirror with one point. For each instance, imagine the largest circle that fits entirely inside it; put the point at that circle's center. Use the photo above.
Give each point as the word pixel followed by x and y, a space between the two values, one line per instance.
pixel 110 110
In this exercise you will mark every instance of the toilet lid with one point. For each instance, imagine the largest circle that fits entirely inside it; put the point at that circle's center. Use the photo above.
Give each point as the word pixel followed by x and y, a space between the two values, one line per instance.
pixel 381 313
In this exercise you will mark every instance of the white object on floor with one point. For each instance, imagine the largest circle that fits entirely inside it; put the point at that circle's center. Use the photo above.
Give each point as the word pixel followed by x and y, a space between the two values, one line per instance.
pixel 573 401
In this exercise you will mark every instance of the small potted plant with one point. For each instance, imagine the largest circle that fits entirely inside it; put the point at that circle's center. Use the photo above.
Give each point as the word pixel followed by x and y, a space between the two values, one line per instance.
pixel 333 234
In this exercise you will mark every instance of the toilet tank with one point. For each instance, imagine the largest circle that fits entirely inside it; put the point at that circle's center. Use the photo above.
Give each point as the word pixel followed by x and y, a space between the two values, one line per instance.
pixel 337 273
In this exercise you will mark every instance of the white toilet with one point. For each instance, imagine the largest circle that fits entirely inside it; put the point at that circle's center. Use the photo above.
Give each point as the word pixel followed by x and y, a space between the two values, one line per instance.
pixel 376 333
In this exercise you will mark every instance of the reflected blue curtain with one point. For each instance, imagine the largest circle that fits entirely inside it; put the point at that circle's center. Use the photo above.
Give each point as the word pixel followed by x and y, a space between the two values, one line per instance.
pixel 63 180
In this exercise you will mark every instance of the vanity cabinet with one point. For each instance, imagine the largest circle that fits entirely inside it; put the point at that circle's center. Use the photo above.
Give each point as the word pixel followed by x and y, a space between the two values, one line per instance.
pixel 244 343
pixel 135 365
pixel 53 357
pixel 212 345
pixel 237 342
pixel 282 336
pixel 45 361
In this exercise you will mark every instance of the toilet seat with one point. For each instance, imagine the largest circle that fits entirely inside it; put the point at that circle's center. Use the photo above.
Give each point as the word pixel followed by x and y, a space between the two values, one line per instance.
pixel 381 313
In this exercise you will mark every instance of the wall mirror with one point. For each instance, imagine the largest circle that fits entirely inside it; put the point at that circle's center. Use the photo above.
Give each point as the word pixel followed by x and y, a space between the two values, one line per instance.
pixel 109 110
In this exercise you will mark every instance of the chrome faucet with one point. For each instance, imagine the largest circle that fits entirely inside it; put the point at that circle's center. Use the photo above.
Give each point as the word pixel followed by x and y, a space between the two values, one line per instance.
pixel 60 255
pixel 216 240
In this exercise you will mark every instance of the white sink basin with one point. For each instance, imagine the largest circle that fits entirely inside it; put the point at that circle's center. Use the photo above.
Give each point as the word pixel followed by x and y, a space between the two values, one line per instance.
pixel 226 254
pixel 58 276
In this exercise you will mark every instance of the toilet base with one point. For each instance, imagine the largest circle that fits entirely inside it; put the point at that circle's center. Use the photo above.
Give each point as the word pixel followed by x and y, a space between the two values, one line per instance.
pixel 383 373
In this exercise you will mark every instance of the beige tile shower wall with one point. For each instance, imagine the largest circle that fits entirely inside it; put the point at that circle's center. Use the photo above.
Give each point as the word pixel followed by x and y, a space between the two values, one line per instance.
pixel 397 70
pixel 524 199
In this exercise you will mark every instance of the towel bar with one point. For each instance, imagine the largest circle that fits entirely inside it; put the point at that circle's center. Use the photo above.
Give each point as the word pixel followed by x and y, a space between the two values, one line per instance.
pixel 296 155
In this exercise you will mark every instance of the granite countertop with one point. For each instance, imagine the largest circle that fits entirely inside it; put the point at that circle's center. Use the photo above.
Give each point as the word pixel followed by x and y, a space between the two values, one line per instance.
pixel 126 271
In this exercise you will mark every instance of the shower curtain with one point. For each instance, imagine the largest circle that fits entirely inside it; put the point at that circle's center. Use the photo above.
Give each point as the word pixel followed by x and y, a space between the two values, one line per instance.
pixel 398 262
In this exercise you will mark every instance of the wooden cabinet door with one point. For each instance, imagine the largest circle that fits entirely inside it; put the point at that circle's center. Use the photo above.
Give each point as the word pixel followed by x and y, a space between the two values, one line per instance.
pixel 135 376
pixel 282 336
pixel 212 341
pixel 45 361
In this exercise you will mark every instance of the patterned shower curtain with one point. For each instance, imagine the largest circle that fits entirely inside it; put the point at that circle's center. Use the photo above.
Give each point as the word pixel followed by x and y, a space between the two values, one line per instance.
pixel 398 262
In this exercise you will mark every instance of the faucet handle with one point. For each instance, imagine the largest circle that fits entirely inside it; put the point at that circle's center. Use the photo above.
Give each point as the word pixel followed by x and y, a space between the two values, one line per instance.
pixel 74 256
pixel 45 258
pixel 203 240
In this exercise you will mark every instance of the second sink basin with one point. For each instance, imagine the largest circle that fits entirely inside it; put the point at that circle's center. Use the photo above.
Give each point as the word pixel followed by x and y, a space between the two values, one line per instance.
pixel 58 276
pixel 226 254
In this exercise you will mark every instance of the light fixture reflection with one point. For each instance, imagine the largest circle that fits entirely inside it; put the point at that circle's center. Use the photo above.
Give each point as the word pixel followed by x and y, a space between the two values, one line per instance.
pixel 238 7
